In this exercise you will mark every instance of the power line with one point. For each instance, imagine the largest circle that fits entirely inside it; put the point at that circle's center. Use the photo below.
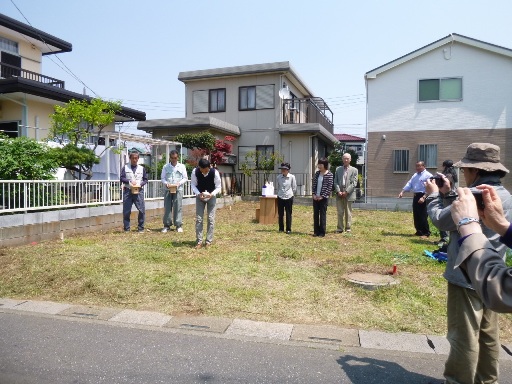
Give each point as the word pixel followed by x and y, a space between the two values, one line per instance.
pixel 69 71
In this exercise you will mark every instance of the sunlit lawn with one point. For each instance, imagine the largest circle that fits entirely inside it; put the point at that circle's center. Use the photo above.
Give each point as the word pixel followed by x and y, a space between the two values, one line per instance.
pixel 251 272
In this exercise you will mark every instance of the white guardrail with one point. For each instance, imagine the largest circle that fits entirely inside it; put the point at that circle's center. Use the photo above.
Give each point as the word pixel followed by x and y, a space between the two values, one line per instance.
pixel 21 196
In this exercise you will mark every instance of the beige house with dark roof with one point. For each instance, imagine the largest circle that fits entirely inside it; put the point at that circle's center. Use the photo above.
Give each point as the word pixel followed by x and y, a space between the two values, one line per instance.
pixel 27 97
pixel 266 107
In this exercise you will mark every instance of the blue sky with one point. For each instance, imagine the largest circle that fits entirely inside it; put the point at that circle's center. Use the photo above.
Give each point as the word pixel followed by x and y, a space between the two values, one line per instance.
pixel 133 50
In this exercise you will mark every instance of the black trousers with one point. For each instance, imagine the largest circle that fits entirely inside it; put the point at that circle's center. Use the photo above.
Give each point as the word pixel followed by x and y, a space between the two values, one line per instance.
pixel 320 216
pixel 419 212
pixel 282 206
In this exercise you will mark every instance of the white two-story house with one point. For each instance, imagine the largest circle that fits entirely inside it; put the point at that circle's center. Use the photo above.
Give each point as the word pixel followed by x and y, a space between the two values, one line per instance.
pixel 266 107
pixel 431 104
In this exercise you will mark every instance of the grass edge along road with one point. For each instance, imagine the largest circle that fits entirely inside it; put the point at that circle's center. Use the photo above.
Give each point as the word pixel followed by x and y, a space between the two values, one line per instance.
pixel 251 272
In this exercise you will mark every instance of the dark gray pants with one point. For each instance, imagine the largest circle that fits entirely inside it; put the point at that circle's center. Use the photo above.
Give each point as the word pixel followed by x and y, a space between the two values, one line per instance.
pixel 128 200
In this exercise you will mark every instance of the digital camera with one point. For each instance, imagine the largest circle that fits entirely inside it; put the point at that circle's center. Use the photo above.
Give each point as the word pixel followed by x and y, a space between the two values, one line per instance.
pixel 439 180
pixel 477 193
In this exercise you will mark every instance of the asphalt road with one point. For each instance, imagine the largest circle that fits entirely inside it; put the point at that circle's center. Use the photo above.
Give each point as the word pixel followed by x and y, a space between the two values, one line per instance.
pixel 43 349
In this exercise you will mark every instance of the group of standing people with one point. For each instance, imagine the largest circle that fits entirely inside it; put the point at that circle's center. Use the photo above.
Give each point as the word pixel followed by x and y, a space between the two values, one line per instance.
pixel 344 184
pixel 206 184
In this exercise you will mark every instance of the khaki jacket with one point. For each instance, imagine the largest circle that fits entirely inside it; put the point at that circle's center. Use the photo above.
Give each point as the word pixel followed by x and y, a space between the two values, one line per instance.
pixel 350 187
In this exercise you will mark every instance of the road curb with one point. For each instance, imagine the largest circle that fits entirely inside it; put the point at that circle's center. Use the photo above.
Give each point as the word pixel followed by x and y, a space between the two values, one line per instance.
pixel 311 335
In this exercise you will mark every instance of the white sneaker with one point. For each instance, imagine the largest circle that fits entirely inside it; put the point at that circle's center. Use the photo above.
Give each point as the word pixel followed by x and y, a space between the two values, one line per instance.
pixel 165 229
pixel 180 230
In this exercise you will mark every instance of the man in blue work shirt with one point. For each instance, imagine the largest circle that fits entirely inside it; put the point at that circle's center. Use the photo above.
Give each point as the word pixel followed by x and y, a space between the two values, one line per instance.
pixel 419 209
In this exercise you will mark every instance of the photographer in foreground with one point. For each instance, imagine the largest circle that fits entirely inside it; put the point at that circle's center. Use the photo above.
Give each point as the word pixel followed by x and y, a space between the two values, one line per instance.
pixel 490 276
pixel 473 331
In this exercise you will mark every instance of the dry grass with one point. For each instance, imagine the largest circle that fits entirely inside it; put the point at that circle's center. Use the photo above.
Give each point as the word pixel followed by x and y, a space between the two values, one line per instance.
pixel 251 272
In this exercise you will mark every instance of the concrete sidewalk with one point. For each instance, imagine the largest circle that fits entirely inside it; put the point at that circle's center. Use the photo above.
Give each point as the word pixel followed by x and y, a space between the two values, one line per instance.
pixel 318 336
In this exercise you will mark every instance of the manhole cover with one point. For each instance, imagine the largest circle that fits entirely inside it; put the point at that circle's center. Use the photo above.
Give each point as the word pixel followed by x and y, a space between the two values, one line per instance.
pixel 371 280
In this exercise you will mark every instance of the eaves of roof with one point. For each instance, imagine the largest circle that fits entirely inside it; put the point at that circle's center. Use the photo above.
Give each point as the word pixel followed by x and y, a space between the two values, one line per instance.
pixel 37 34
pixel 35 88
pixel 245 70
pixel 314 128
pixel 451 38
pixel 205 122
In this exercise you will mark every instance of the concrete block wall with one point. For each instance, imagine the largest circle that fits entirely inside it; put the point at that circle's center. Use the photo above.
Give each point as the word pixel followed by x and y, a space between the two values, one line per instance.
pixel 25 228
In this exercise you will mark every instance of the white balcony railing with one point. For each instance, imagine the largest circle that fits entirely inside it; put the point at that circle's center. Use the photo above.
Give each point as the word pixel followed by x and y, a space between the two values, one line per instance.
pixel 21 196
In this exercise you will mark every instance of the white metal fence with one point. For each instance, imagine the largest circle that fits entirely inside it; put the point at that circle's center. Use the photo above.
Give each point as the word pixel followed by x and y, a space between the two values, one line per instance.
pixel 21 195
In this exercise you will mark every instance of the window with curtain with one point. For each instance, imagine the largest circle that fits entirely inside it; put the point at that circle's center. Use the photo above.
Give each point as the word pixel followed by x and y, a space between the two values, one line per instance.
pixel 400 160
pixel 256 97
pixel 444 89
pixel 217 100
pixel 428 154
pixel 247 98
pixel 8 45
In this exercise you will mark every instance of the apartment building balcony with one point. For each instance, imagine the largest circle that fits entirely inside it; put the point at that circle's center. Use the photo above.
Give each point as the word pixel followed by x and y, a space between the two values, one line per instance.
pixel 8 71
pixel 308 110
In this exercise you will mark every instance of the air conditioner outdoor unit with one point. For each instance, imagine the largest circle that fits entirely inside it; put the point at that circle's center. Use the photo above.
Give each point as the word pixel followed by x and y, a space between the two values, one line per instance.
pixel 229 159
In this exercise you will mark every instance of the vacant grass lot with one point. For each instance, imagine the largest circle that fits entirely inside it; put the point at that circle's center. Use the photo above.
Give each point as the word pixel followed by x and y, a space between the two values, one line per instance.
pixel 251 272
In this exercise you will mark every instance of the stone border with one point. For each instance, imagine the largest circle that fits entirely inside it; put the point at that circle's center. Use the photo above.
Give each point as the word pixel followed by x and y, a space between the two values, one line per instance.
pixel 326 336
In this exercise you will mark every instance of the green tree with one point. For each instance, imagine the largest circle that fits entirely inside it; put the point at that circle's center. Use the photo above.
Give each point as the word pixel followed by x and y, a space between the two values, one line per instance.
pixel 335 157
pixel 26 159
pixel 257 163
pixel 74 124
pixel 203 140
pixel 200 145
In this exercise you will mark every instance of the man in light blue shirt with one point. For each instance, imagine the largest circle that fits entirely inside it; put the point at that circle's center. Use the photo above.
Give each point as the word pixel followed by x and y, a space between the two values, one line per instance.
pixel 174 175
pixel 419 208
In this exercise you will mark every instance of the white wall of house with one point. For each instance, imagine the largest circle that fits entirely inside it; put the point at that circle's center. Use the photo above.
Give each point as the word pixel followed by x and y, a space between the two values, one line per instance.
pixel 31 56
pixel 397 120
pixel 487 94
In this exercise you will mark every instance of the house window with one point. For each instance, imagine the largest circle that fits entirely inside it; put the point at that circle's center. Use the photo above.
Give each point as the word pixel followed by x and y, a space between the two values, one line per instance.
pixel 10 129
pixel 256 157
pixel 8 45
pixel 200 102
pixel 428 154
pixel 264 155
pixel 11 65
pixel 256 97
pixel 213 100
pixel 217 100
pixel 247 98
pixel 446 89
pixel 401 160
pixel 244 158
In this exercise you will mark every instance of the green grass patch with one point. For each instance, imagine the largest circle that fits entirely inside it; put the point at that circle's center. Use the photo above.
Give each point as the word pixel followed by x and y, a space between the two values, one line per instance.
pixel 252 271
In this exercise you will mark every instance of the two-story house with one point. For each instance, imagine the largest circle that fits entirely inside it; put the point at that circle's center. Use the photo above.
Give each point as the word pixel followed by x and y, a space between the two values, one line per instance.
pixel 266 107
pixel 27 97
pixel 431 104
